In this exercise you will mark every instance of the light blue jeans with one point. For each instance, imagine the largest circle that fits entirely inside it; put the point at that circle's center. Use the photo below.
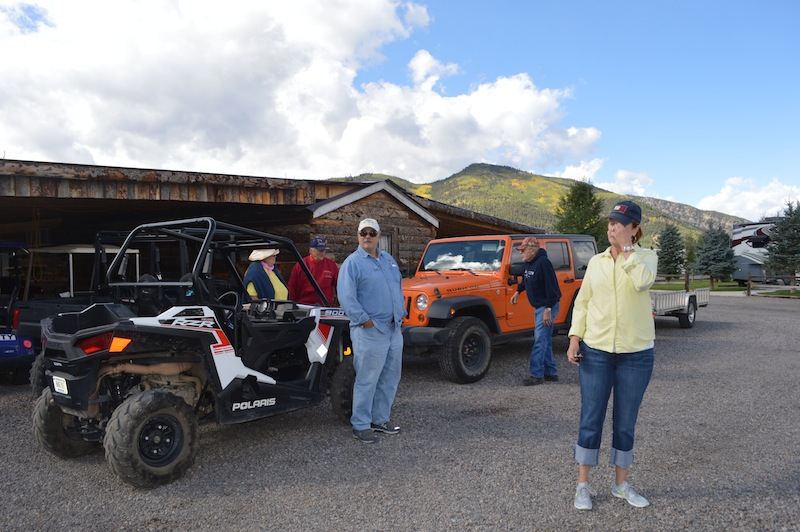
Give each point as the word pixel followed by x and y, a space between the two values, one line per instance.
pixel 542 361
pixel 378 361
pixel 628 374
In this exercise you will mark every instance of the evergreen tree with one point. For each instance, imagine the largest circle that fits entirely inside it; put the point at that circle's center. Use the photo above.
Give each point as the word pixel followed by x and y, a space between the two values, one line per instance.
pixel 784 248
pixel 579 211
pixel 671 253
pixel 691 247
pixel 714 256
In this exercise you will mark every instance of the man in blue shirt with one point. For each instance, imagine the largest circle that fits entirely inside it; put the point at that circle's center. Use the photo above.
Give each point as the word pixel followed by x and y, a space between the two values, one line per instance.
pixel 540 282
pixel 371 294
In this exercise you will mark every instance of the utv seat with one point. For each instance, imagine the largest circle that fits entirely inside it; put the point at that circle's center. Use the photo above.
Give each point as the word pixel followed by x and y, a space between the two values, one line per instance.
pixel 148 298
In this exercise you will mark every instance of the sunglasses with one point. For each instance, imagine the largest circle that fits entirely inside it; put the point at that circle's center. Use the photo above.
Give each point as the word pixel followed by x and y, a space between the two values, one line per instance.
pixel 371 232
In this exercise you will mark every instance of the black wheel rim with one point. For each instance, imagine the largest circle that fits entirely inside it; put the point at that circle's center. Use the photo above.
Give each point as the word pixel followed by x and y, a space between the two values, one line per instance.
pixel 472 350
pixel 160 440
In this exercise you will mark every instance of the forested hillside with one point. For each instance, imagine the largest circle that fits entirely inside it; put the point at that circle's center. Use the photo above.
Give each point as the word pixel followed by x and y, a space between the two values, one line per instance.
pixel 531 199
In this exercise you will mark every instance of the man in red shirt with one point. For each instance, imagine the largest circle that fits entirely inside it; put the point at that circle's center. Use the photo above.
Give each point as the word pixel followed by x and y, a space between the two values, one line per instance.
pixel 322 268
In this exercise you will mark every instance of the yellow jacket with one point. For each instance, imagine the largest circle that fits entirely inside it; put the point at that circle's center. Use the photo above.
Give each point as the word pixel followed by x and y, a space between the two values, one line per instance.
pixel 612 311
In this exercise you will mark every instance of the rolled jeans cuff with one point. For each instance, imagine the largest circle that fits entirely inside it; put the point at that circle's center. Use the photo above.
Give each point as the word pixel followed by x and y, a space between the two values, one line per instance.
pixel 591 457
pixel 586 457
pixel 622 459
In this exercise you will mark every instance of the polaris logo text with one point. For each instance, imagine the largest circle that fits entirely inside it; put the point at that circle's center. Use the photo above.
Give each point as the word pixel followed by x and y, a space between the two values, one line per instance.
pixel 258 403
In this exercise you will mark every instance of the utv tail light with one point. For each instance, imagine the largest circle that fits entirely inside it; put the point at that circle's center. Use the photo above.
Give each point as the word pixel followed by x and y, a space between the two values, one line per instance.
pixel 118 344
pixel 96 343
pixel 27 344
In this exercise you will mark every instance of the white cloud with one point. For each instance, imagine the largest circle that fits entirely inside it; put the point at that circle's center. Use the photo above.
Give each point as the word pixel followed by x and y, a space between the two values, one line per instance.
pixel 750 199
pixel 426 70
pixel 583 171
pixel 259 88
pixel 626 182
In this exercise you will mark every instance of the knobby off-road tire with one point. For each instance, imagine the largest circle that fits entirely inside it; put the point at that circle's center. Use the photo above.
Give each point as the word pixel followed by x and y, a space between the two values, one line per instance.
pixel 466 355
pixel 59 433
pixel 344 378
pixel 151 439
pixel 37 377
pixel 686 321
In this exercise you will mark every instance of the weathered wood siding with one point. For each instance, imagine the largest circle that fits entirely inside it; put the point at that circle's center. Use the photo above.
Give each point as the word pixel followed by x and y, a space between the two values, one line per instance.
pixel 409 233
pixel 22 179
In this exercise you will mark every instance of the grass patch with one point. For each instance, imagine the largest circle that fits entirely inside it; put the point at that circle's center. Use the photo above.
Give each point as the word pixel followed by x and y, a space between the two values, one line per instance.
pixel 783 293
pixel 729 286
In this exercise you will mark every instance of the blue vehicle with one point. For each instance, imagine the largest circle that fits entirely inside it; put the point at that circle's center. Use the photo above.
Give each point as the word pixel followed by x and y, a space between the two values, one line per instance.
pixel 16 352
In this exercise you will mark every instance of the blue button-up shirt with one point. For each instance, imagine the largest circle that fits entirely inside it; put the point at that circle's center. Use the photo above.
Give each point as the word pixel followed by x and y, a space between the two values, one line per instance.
pixel 371 288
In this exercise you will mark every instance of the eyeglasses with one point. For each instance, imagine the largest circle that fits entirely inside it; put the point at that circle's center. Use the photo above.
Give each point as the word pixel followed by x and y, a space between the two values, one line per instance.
pixel 371 232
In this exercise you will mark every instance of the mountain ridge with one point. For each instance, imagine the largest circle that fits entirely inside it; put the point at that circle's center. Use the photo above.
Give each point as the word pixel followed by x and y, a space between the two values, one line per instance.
pixel 531 199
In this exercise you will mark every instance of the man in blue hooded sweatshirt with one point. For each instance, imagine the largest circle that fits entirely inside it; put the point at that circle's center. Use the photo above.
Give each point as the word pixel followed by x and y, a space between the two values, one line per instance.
pixel 539 281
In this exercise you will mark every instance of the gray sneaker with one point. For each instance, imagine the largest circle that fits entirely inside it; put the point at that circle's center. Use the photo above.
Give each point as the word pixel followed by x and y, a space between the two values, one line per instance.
pixel 386 428
pixel 583 496
pixel 365 436
pixel 626 491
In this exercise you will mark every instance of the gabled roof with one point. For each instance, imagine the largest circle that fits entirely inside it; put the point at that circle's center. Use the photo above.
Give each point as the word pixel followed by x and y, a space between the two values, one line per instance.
pixel 367 189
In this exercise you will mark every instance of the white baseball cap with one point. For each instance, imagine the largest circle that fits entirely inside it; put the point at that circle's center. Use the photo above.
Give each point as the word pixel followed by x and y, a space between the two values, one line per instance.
pixel 369 222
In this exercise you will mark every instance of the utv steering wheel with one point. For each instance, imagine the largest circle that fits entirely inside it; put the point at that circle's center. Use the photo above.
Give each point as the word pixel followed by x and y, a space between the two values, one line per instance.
pixel 231 294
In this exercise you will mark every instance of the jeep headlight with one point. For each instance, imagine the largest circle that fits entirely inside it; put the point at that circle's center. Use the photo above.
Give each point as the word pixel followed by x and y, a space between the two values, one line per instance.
pixel 422 302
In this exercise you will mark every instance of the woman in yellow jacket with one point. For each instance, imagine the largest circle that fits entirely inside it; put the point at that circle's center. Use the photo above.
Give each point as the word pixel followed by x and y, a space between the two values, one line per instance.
pixel 611 340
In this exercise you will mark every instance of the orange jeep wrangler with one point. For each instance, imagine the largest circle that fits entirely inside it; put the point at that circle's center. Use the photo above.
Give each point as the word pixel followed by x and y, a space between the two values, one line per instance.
pixel 458 301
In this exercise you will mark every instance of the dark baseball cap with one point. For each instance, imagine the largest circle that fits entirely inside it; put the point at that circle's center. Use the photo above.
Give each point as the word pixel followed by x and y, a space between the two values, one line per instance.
pixel 626 212
pixel 319 243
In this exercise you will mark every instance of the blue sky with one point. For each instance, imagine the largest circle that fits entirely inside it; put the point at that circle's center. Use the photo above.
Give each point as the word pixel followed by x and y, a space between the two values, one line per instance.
pixel 695 102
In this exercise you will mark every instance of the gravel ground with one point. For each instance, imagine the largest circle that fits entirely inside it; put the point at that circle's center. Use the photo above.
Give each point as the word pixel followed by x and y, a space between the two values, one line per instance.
pixel 717 448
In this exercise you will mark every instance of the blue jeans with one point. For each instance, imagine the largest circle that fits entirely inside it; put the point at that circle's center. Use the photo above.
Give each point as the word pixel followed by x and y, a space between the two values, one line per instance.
pixel 378 361
pixel 628 374
pixel 542 361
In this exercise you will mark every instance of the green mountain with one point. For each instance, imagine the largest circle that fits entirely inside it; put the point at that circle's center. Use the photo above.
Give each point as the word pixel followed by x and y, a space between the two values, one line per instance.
pixel 531 199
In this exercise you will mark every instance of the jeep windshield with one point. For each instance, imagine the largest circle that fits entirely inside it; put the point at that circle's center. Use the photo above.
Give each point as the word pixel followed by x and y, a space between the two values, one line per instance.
pixel 464 255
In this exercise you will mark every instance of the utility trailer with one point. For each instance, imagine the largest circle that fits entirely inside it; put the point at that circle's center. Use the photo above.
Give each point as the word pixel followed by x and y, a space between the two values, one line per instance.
pixel 680 303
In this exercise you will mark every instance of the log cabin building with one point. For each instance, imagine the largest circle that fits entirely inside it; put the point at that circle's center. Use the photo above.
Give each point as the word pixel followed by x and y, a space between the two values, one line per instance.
pixel 47 204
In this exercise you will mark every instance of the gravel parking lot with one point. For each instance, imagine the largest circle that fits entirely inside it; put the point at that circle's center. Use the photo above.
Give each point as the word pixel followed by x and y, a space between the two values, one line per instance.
pixel 717 448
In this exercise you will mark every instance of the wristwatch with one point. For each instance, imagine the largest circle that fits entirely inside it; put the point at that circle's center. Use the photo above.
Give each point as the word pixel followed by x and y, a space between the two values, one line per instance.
pixel 628 248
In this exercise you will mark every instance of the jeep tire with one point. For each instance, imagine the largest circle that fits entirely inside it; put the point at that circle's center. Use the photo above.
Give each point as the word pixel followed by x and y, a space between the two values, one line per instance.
pixel 151 439
pixel 344 378
pixel 466 355
pixel 57 432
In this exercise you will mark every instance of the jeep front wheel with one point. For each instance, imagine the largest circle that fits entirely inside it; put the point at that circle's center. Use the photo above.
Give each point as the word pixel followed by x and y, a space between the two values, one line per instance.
pixel 151 439
pixel 466 355
pixel 59 433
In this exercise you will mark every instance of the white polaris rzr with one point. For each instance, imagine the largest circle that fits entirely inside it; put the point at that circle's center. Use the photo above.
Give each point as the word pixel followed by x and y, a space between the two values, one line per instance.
pixel 180 342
